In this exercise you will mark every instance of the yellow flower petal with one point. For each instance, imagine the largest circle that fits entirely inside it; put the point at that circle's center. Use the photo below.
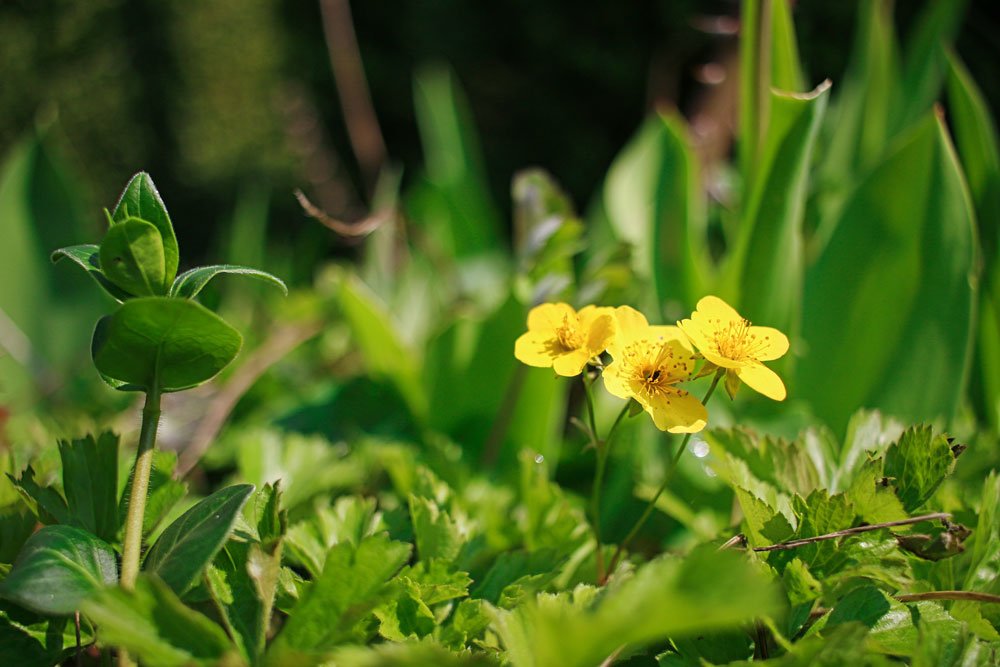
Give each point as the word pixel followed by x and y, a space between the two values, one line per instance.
pixel 571 363
pixel 535 348
pixel 714 308
pixel 548 316
pixel 771 343
pixel 599 323
pixel 615 381
pixel 630 321
pixel 677 411
pixel 762 379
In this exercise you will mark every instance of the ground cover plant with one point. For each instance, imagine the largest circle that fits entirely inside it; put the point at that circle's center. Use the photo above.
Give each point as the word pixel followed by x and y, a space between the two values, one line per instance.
pixel 679 429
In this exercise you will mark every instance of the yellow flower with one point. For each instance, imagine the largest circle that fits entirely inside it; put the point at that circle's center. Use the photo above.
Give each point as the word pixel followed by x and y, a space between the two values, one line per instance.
pixel 564 339
pixel 728 341
pixel 648 362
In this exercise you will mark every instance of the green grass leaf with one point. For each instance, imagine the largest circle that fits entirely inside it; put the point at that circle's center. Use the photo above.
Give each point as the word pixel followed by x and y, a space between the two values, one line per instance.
pixel 764 271
pixel 58 568
pixel 155 626
pixel 173 343
pixel 653 201
pixel 888 304
pixel 190 543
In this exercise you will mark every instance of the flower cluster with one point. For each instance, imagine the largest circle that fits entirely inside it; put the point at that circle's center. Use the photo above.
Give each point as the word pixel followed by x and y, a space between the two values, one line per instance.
pixel 650 363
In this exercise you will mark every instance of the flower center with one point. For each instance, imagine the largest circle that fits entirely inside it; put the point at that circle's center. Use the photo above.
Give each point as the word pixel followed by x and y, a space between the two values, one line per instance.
pixel 736 342
pixel 569 335
pixel 653 366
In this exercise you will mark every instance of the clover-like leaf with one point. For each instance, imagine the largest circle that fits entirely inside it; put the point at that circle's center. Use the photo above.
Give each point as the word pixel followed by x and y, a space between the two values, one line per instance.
pixel 87 256
pixel 132 257
pixel 140 199
pixel 172 344
pixel 188 284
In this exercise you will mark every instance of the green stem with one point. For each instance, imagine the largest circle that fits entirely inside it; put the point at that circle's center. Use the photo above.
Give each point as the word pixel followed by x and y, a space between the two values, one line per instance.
pixel 663 486
pixel 140 488
pixel 603 449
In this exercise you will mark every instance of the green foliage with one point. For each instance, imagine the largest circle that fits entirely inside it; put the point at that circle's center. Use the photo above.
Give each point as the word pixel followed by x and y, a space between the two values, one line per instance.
pixel 58 568
pixel 190 543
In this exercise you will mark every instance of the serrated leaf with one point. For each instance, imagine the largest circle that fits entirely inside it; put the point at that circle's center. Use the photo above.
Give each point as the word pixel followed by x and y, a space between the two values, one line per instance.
pixel 800 585
pixel 141 199
pixel 58 568
pixel 188 545
pixel 90 483
pixel 48 505
pixel 242 581
pixel 132 258
pixel 874 501
pixel 28 640
pixel 917 464
pixel 351 585
pixel 409 654
pixel 436 534
pixel 188 284
pixel 707 591
pixel 87 256
pixel 154 625
pixel 350 520
pixel 172 343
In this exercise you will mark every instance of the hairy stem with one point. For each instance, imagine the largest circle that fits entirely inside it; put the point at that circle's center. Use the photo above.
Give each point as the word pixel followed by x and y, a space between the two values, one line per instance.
pixel 620 551
pixel 140 487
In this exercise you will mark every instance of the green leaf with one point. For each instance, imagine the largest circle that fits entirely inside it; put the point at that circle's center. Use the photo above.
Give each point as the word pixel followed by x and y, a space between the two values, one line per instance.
pixel 88 257
pixel 769 253
pixel 707 591
pixel 188 284
pixel 27 640
pixel 191 542
pixel 917 464
pixel 786 67
pixel 45 501
pixel 800 585
pixel 380 345
pixel 888 305
pixel 154 626
pixel 16 526
pixel 654 201
pixel 90 483
pixel 976 139
pixel 874 501
pixel 409 654
pixel 436 533
pixel 454 203
pixel 140 199
pixel 353 583
pixel 132 258
pixel 58 568
pixel 173 344
pixel 243 580
pixel 350 520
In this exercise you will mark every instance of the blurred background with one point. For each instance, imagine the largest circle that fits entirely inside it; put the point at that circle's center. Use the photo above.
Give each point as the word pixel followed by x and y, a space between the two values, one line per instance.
pixel 223 99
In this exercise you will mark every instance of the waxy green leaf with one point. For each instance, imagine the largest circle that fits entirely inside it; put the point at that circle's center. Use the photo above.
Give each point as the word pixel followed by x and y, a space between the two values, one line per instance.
pixel 59 567
pixel 87 256
pixel 140 199
pixel 132 258
pixel 188 284
pixel 158 342
pixel 190 543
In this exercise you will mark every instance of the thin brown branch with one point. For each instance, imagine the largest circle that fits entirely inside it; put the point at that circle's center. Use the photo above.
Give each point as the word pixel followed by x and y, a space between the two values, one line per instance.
pixel 283 341
pixel 972 596
pixel 351 230
pixel 794 544
pixel 355 98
